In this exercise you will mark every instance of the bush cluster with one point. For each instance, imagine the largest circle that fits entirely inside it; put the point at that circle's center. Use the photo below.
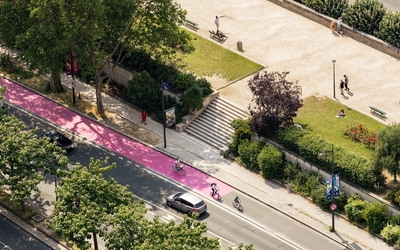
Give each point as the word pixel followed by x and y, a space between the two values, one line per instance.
pixel 394 195
pixel 369 16
pixel 350 166
pixel 242 132
pixel 373 215
pixel 361 134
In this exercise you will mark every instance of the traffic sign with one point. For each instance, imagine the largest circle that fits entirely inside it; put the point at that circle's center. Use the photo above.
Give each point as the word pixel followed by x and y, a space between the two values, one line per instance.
pixel 333 207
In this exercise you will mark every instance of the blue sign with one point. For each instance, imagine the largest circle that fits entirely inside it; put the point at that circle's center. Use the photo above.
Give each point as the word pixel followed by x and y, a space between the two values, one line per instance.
pixel 336 185
pixel 328 189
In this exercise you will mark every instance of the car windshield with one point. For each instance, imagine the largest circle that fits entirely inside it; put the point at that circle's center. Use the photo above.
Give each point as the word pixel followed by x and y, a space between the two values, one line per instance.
pixel 178 195
pixel 200 204
pixel 62 139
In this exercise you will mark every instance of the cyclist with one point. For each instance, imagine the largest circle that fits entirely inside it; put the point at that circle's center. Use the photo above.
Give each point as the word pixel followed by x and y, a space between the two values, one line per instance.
pixel 237 200
pixel 178 166
pixel 214 188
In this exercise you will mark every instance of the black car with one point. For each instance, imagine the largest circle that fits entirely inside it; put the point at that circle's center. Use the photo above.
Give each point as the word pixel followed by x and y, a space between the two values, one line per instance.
pixel 187 203
pixel 62 141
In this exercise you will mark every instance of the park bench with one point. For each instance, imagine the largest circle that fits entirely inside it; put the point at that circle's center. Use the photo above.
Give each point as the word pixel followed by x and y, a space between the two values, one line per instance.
pixel 191 22
pixel 377 110
pixel 213 33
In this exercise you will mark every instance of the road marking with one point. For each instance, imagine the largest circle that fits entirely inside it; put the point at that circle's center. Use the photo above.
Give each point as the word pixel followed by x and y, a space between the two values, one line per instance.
pixel 129 162
pixel 226 208
pixel 121 158
pixel 7 247
pixel 112 154
pixel 168 217
pixel 287 241
pixel 146 201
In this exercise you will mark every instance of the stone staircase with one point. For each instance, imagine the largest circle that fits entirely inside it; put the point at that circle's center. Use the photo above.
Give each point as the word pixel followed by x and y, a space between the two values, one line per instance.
pixel 212 126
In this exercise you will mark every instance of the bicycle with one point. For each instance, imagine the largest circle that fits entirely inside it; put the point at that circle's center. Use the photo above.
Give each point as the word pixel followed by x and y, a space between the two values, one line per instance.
pixel 216 193
pixel 180 170
pixel 237 205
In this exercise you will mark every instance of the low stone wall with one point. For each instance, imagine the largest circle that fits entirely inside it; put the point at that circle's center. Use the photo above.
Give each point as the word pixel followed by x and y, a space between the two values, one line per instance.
pixel 119 74
pixel 347 187
pixel 347 30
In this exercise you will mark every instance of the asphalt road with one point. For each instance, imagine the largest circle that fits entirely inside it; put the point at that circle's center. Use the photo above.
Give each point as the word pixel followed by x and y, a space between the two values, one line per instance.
pixel 13 237
pixel 257 223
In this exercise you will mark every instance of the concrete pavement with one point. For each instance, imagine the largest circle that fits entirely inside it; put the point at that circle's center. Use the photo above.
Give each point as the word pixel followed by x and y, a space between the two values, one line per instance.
pixel 285 41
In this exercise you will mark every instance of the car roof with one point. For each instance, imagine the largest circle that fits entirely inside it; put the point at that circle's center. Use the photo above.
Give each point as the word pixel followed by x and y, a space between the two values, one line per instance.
pixel 190 198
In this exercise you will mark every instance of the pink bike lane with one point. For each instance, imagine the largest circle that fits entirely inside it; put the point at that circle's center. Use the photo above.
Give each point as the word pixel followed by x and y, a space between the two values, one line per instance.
pixel 110 139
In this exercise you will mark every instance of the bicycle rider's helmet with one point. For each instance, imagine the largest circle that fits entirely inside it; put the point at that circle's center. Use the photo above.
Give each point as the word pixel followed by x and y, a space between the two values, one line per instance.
pixel 237 197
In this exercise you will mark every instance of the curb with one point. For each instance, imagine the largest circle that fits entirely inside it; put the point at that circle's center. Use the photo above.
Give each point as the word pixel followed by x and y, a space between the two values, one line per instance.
pixel 30 223
pixel 173 156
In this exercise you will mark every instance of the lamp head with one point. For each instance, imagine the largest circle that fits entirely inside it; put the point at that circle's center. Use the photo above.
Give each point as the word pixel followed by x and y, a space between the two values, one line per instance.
pixel 333 61
pixel 321 155
pixel 32 162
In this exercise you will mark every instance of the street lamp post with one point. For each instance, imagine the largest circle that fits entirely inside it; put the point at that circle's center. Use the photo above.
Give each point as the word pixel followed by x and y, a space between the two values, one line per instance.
pixel 332 187
pixel 333 62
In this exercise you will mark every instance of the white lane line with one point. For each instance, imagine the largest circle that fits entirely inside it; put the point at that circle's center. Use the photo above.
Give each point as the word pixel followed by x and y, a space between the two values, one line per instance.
pixel 287 241
pixel 178 218
pixel 129 162
pixel 112 154
pixel 7 247
pixel 226 208
pixel 121 158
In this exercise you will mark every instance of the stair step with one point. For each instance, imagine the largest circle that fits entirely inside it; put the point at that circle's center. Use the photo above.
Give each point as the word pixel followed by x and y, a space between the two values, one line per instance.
pixel 224 103
pixel 204 131
pixel 216 123
pixel 216 131
pixel 226 111
pixel 204 138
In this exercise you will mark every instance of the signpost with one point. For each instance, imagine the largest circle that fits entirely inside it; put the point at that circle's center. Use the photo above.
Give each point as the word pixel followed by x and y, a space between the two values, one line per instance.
pixel 333 207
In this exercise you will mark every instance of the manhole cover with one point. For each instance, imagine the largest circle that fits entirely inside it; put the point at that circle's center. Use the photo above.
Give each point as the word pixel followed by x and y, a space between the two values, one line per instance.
pixel 38 218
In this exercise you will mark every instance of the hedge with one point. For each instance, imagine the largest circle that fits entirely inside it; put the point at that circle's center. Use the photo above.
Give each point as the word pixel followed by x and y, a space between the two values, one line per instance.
pixel 350 166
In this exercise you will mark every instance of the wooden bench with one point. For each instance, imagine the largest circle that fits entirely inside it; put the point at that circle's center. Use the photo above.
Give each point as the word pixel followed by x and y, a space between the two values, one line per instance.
pixel 192 23
pixel 377 110
pixel 213 33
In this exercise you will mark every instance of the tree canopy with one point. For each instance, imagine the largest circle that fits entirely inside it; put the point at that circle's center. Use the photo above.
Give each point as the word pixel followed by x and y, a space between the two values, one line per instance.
pixel 388 149
pixel 22 155
pixel 275 101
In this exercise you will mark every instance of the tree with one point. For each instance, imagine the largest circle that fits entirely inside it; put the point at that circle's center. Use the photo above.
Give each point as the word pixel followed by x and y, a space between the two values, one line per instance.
pixel 21 156
pixel 102 30
pixel 332 8
pixel 130 230
pixel 387 152
pixel 389 28
pixel 87 201
pixel 144 92
pixel 275 101
pixel 365 15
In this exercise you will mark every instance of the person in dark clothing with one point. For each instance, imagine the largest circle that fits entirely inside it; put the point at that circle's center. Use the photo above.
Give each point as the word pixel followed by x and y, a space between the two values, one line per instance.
pixel 341 86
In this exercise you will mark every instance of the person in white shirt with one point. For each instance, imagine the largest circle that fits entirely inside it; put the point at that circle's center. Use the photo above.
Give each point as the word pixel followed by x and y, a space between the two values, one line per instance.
pixel 177 164
pixel 339 25
pixel 217 21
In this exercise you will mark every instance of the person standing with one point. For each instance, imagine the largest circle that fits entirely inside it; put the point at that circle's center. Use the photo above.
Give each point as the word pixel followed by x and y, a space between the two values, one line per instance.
pixel 339 25
pixel 217 21
pixel 341 86
pixel 143 115
pixel 346 82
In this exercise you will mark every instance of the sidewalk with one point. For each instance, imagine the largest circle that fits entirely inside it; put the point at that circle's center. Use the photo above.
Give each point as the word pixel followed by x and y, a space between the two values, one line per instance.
pixel 207 159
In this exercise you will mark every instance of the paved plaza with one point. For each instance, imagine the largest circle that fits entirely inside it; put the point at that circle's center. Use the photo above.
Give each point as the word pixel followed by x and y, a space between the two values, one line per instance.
pixel 285 41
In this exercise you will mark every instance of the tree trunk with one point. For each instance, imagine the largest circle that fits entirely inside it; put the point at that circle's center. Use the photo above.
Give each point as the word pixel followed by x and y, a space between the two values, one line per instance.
pixel 56 79
pixel 23 206
pixel 99 102
pixel 395 179
pixel 96 246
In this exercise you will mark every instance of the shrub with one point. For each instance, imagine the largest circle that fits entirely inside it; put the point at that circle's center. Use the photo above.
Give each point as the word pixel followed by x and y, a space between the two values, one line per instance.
pixel 290 137
pixel 191 98
pixel 291 170
pixel 375 216
pixel 332 8
pixel 144 92
pixel 394 195
pixel 355 208
pixel 248 152
pixel 365 15
pixel 391 233
pixel 242 132
pixel 361 134
pixel 389 28
pixel 270 161
pixel 205 85
pixel 185 81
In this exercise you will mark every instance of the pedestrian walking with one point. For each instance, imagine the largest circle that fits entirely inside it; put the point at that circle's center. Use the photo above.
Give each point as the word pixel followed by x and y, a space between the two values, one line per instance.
pixel 339 25
pixel 346 82
pixel 143 115
pixel 341 86
pixel 217 21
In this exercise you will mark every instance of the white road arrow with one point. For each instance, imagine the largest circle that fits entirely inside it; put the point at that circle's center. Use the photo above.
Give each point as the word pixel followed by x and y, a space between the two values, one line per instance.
pixel 168 217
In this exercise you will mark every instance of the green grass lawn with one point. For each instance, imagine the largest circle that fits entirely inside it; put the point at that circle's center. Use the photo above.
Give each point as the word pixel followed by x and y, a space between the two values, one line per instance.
pixel 210 59
pixel 318 117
